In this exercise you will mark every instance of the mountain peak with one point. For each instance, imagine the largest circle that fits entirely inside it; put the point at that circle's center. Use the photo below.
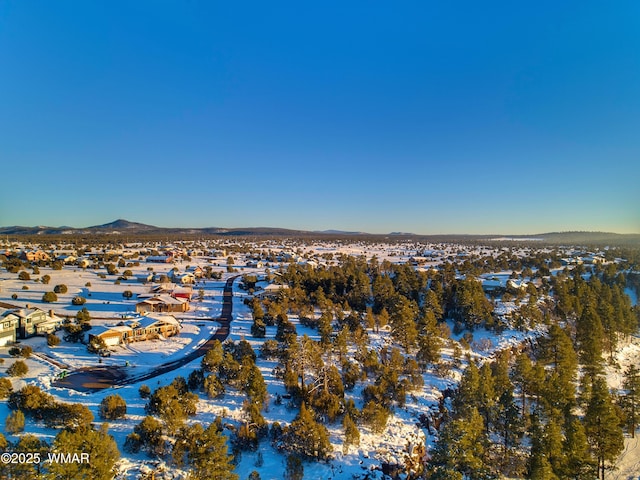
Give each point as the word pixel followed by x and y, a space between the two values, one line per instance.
pixel 123 224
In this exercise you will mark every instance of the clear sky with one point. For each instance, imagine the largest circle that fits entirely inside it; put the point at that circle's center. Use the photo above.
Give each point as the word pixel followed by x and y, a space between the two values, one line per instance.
pixel 415 116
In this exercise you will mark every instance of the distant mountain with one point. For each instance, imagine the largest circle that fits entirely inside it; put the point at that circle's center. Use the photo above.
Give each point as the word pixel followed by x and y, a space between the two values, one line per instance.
pixel 122 226
pixel 340 232
pixel 125 227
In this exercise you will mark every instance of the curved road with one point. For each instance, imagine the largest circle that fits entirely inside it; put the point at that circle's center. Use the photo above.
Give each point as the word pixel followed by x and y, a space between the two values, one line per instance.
pixel 90 379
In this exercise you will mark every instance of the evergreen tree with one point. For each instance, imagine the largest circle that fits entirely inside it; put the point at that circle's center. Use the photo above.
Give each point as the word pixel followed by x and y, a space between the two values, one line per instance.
pixel 579 462
pixel 213 387
pixel 403 323
pixel 351 433
pixel 603 426
pixel 467 396
pixel 254 385
pixel 146 436
pixel 6 387
pixel 508 421
pixel 631 398
pixel 213 358
pixel 375 416
pixel 486 396
pixel 68 415
pixel 552 441
pixel 429 339
pixel 112 407
pixel 539 467
pixel 101 447
pixel 469 305
pixel 28 444
pixel 589 335
pixel 207 454
pixel 295 468
pixel 557 349
pixel 14 422
pixel 460 446
pixel 173 405
pixel 306 437
pixel 522 374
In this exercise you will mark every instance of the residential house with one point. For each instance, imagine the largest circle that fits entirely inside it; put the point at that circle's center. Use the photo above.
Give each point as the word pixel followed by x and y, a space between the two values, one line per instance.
pixel 34 255
pixel 8 326
pixel 594 260
pixel 162 304
pixel 196 271
pixel 184 278
pixel 160 259
pixel 182 292
pixel 33 321
pixel 112 335
pixel 137 329
pixel 152 326
pixel 163 288
pixel 271 291
pixel 66 258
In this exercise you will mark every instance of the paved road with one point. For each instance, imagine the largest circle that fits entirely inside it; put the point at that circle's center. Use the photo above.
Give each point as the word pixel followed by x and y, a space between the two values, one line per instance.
pixel 97 378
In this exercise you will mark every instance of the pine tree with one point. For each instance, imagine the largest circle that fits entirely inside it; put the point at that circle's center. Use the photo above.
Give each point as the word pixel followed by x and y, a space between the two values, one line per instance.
pixel 508 421
pixel 14 422
pixel 539 467
pixel 306 437
pixel 603 426
pixel 29 444
pixel 522 373
pixel 403 323
pixel 101 447
pixel 147 436
pixel 429 339
pixel 466 396
pixel 552 441
pixel 486 395
pixel 295 468
pixel 579 462
pixel 208 456
pixel 557 349
pixel 460 446
pixel 213 358
pixel 6 387
pixel 589 335
pixel 113 407
pixel 351 433
pixel 631 398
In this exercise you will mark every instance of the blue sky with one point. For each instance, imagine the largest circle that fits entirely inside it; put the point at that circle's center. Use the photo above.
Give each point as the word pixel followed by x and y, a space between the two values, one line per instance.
pixel 428 117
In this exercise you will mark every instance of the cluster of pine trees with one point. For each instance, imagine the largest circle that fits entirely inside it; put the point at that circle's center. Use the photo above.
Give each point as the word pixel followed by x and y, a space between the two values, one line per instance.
pixel 77 434
pixel 544 413
pixel 549 405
